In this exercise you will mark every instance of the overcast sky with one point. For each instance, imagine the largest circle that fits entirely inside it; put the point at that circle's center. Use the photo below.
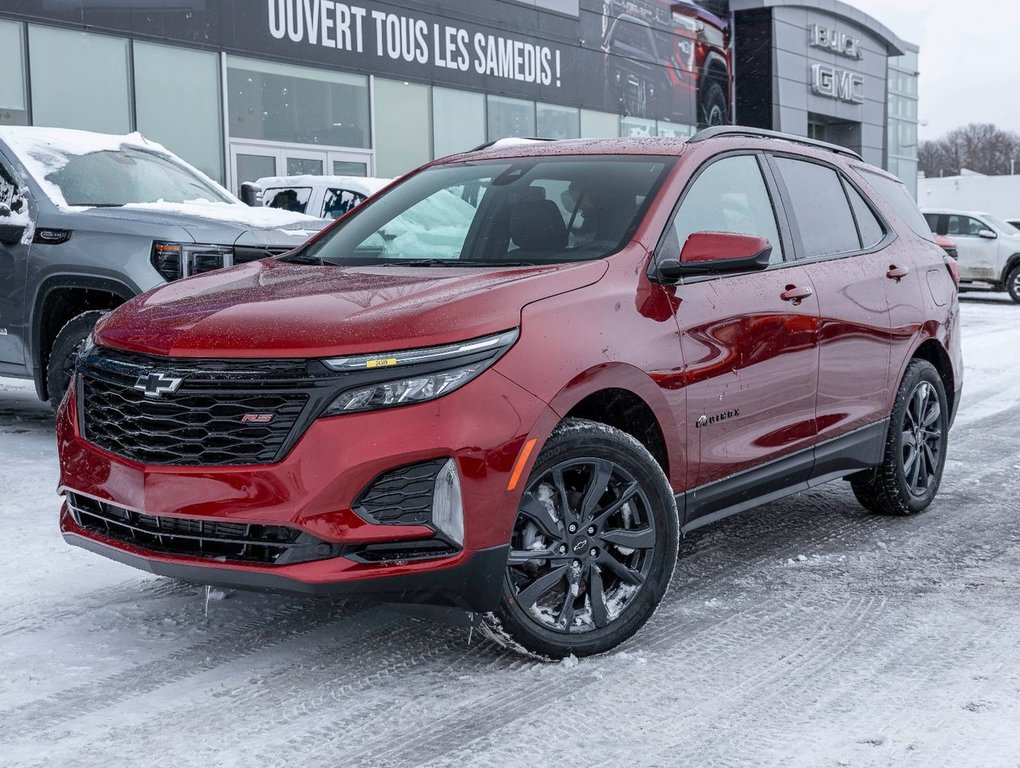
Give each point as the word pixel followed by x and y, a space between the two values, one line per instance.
pixel 970 58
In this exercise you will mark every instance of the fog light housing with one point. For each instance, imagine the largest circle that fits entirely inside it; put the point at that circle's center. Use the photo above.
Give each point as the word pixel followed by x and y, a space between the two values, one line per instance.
pixel 447 506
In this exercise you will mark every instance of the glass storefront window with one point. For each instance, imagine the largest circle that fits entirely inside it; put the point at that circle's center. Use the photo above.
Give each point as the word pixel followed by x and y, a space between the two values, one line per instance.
pixel 13 105
pixel 599 125
pixel 677 130
pixel 401 126
pixel 251 167
pixel 298 105
pixel 556 122
pixel 79 80
pixel 458 121
pixel 637 127
pixel 510 117
pixel 189 123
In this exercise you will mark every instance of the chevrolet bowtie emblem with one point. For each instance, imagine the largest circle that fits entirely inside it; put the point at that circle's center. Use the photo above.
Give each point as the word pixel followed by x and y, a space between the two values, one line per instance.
pixel 155 384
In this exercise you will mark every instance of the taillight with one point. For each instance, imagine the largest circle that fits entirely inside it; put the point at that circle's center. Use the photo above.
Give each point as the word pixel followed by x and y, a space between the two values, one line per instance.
pixel 954 270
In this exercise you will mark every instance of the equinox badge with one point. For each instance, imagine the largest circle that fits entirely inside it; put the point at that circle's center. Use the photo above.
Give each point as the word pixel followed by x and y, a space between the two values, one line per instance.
pixel 155 384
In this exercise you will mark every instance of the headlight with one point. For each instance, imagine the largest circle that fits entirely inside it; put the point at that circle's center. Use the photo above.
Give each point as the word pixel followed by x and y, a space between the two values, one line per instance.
pixel 431 372
pixel 176 260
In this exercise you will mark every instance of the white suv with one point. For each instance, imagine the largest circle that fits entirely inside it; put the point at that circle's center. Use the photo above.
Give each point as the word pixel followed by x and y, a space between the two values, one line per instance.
pixel 988 248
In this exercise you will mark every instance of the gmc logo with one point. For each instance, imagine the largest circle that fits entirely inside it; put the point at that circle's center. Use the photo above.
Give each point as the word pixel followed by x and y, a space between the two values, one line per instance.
pixel 257 418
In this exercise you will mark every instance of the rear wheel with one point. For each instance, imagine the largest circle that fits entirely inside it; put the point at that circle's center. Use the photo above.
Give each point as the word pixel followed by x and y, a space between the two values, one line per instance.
pixel 593 546
pixel 1013 284
pixel 64 353
pixel 915 450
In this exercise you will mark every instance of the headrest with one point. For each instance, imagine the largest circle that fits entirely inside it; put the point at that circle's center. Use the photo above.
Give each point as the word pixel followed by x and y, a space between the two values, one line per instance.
pixel 537 226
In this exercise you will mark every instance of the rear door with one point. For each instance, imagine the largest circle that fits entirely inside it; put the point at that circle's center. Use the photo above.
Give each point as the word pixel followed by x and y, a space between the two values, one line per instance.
pixel 748 341
pixel 842 244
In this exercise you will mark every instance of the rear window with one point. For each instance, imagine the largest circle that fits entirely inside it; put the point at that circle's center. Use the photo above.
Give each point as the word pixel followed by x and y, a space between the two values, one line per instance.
pixel 868 224
pixel 895 194
pixel 532 210
pixel 820 208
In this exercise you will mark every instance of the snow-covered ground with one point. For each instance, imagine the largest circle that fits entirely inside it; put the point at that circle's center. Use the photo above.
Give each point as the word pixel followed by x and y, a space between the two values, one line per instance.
pixel 806 634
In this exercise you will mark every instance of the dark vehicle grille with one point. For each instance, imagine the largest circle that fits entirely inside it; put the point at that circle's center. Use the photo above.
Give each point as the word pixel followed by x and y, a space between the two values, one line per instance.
pixel 224 412
pixel 268 544
pixel 401 496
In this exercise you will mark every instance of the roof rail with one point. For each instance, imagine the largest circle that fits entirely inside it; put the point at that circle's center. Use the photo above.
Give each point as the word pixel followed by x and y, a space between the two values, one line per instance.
pixel 761 133
pixel 522 139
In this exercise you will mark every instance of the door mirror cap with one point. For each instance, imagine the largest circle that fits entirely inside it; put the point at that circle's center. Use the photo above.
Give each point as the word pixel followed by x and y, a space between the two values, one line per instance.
pixel 987 234
pixel 251 193
pixel 714 252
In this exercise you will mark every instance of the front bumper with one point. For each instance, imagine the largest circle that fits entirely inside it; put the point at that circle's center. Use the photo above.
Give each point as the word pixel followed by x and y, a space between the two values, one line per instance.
pixel 314 489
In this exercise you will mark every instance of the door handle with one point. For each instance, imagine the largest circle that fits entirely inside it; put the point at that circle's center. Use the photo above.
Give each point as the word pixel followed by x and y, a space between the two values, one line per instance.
pixel 897 273
pixel 795 294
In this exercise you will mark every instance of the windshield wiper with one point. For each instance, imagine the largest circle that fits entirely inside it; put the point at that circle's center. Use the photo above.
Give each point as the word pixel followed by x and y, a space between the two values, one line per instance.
pixel 451 263
pixel 301 257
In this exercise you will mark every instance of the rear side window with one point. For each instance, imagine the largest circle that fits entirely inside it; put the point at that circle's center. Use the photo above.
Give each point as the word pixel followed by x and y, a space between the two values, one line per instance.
pixel 896 195
pixel 867 223
pixel 933 222
pixel 729 196
pixel 339 201
pixel 820 208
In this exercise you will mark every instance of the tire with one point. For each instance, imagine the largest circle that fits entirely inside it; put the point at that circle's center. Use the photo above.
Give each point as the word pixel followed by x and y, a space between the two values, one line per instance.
pixel 712 104
pixel 1013 284
pixel 908 478
pixel 64 353
pixel 549 606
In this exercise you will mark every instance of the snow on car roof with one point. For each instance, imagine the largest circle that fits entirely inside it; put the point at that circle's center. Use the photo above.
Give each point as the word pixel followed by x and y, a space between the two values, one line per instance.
pixel 360 184
pixel 253 217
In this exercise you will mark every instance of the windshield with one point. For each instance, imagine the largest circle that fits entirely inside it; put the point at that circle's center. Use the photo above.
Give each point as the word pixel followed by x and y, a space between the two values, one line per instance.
pixel 521 211
pixel 1002 226
pixel 131 175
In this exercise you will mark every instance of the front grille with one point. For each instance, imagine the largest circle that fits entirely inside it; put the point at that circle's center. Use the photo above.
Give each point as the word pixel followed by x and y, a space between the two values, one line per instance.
pixel 224 412
pixel 216 540
pixel 401 496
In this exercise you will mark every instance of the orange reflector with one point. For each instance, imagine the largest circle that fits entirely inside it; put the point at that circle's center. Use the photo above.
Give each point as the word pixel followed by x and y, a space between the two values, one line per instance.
pixel 522 459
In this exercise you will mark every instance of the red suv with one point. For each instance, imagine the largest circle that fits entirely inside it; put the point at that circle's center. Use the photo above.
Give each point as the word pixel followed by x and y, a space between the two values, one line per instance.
pixel 510 381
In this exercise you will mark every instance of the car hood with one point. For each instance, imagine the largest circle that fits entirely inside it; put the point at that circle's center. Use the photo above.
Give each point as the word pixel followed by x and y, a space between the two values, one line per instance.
pixel 220 224
pixel 276 309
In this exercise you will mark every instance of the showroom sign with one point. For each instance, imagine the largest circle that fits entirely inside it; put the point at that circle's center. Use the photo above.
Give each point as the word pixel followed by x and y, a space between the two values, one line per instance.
pixel 836 83
pixel 377 33
pixel 833 40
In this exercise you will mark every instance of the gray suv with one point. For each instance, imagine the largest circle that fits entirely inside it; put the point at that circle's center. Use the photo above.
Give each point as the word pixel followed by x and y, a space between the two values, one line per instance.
pixel 89 220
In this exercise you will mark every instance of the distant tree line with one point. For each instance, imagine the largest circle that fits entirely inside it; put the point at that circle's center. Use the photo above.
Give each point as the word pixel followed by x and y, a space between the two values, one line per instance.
pixel 979 147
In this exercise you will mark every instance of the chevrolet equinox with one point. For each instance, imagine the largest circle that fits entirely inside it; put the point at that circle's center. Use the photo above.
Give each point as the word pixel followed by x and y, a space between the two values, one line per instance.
pixel 510 382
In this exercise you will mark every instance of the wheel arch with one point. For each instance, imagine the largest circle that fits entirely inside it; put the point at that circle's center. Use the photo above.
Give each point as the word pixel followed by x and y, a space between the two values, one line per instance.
pixel 60 298
pixel 1012 262
pixel 933 352
pixel 622 397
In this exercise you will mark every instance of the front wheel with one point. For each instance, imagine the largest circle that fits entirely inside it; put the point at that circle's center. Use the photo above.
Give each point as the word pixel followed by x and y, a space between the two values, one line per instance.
pixel 915 450
pixel 64 353
pixel 593 546
pixel 1013 283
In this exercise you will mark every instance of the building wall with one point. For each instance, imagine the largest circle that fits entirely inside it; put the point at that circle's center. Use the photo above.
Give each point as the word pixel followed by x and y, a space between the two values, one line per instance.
pixel 901 158
pixel 997 195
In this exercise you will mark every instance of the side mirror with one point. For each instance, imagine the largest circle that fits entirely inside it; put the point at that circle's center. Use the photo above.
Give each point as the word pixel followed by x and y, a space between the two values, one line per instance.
pixel 251 193
pixel 714 252
pixel 987 234
pixel 11 231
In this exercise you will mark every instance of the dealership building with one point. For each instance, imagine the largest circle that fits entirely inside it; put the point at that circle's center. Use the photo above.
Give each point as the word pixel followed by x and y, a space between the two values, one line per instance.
pixel 251 88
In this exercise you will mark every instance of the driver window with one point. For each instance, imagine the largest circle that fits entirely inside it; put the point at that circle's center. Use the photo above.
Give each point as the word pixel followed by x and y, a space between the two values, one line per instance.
pixel 728 196
pixel 10 192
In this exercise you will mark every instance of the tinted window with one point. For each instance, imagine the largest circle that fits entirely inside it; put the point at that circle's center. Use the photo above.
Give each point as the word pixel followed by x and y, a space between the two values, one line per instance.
pixel 532 211
pixel 820 208
pixel 933 221
pixel 966 226
pixel 867 223
pixel 289 198
pixel 729 196
pixel 895 194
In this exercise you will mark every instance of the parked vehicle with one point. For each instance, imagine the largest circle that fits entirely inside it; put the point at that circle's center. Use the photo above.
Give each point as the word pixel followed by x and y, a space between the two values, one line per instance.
pixel 666 59
pixel 631 341
pixel 327 197
pixel 1015 223
pixel 988 248
pixel 89 220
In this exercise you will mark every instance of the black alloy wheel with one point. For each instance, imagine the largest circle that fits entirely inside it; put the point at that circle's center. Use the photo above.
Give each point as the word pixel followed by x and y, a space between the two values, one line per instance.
pixel 592 548
pixel 922 439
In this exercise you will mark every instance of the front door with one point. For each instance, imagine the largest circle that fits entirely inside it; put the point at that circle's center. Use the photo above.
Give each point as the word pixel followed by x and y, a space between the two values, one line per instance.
pixel 13 271
pixel 255 160
pixel 749 341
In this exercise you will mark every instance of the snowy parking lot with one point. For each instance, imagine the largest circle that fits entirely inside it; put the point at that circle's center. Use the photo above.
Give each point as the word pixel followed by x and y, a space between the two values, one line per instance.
pixel 807 633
